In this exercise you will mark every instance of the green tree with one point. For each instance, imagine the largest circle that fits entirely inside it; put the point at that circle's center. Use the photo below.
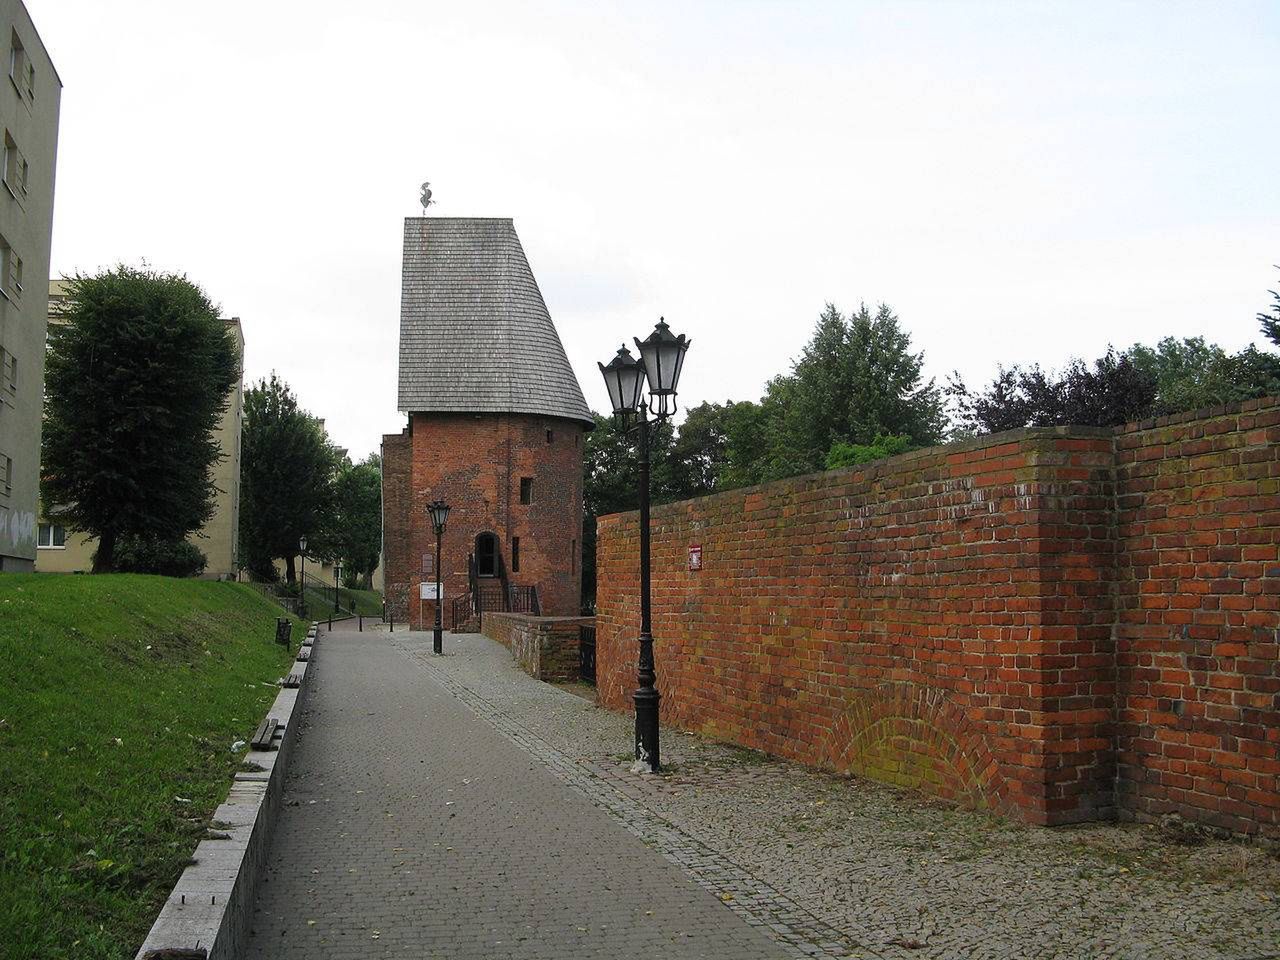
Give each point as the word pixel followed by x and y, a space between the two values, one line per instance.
pixel 1270 321
pixel 136 380
pixel 1191 373
pixel 356 538
pixel 287 469
pixel 857 379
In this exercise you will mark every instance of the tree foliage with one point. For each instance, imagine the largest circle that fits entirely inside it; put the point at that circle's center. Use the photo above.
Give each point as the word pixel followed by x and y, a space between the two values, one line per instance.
pixel 857 379
pixel 844 454
pixel 136 379
pixel 356 535
pixel 1270 321
pixel 287 471
pixel 1114 390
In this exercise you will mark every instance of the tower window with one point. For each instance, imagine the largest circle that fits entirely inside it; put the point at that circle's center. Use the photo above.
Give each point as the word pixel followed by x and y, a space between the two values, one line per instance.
pixel 526 490
pixel 515 554
pixel 550 436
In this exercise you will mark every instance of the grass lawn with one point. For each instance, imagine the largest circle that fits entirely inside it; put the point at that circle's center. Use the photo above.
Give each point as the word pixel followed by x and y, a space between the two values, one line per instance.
pixel 120 697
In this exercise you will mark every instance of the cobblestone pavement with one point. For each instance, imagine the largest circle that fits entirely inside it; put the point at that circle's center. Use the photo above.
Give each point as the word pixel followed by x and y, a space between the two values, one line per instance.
pixel 837 866
pixel 411 827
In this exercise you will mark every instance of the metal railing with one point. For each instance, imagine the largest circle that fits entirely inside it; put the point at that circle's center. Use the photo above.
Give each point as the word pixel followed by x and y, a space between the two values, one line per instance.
pixel 523 600
pixel 461 609
pixel 587 653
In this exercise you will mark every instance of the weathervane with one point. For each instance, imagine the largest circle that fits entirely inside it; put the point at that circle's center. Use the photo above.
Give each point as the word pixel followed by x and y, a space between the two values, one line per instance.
pixel 425 198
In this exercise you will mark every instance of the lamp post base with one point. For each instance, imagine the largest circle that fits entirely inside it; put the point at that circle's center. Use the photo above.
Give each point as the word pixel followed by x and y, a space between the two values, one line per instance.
pixel 647 751
pixel 437 641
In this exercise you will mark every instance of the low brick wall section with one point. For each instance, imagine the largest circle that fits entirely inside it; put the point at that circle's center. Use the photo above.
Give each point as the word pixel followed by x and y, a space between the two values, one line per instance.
pixel 1058 624
pixel 545 647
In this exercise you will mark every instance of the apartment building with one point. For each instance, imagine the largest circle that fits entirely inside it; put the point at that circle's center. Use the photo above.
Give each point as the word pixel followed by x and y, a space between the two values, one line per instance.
pixel 29 102
pixel 59 550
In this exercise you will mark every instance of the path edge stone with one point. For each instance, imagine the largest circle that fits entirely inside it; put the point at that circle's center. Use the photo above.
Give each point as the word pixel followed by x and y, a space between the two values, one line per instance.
pixel 207 914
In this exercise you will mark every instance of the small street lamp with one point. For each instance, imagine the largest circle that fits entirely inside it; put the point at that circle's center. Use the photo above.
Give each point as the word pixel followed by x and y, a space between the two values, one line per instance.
pixel 660 363
pixel 439 514
pixel 302 578
pixel 337 582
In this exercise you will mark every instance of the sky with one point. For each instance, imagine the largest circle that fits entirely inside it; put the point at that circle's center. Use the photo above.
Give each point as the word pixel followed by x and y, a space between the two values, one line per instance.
pixel 1020 181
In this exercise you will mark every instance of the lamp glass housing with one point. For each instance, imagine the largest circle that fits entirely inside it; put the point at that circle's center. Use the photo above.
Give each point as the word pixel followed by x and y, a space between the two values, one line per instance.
pixel 624 379
pixel 662 353
pixel 302 544
pixel 439 514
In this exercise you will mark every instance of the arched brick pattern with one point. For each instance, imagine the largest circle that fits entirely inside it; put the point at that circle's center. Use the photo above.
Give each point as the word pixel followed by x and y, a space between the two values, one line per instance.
pixel 909 735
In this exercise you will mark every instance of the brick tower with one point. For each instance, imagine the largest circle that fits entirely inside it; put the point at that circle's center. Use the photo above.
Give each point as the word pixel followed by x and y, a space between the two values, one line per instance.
pixel 495 428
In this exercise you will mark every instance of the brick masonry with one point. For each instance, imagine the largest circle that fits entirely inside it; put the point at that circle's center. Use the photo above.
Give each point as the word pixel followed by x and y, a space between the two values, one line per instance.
pixel 475 462
pixel 546 648
pixel 1058 624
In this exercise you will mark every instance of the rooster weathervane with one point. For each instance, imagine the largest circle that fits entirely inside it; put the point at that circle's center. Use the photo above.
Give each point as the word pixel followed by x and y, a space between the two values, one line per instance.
pixel 425 197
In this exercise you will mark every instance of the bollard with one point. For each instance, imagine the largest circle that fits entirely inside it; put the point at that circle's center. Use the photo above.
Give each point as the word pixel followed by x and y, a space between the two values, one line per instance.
pixel 362 623
pixel 331 621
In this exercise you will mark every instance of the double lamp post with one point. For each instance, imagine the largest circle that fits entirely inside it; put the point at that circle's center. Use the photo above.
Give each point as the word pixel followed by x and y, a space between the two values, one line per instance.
pixel 661 359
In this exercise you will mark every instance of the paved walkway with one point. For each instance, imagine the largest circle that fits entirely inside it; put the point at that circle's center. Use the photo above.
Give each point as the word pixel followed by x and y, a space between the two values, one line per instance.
pixel 413 828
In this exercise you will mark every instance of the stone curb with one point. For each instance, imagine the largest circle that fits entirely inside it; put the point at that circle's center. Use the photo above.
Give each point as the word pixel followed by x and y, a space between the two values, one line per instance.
pixel 207 914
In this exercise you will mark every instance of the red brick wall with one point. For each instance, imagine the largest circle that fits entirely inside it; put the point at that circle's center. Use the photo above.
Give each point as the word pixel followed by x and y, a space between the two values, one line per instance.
pixel 1198 590
pixel 475 463
pixel 948 619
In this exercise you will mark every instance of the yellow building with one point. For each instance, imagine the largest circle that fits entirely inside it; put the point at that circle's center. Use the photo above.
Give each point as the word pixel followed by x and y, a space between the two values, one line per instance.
pixel 64 551
pixel 29 102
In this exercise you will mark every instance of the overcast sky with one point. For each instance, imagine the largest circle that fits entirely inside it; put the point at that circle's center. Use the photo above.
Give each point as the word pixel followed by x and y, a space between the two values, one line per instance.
pixel 1020 181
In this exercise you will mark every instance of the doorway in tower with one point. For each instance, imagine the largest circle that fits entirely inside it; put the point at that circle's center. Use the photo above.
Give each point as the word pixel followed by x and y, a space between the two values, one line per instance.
pixel 488 574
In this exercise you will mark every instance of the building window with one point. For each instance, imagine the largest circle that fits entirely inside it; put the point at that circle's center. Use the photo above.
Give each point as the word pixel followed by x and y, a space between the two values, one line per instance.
pixel 550 436
pixel 6 475
pixel 515 554
pixel 526 490
pixel 10 271
pixel 8 376
pixel 21 70
pixel 51 536
pixel 16 169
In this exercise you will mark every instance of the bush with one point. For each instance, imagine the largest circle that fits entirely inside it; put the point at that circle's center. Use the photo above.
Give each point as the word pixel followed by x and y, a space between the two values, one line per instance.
pixel 844 454
pixel 168 558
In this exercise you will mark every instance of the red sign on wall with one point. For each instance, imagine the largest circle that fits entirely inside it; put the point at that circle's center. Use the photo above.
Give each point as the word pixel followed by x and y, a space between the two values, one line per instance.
pixel 695 556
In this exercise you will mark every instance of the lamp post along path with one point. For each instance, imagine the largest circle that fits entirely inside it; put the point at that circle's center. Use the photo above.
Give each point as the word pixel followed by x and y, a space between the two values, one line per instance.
pixel 439 511
pixel 302 577
pixel 662 360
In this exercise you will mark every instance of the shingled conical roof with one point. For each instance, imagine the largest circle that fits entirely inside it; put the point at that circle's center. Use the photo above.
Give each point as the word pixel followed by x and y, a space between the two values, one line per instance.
pixel 475 335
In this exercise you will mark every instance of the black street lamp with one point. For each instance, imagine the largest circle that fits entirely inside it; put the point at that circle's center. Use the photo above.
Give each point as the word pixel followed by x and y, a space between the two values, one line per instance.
pixel 302 577
pixel 662 358
pixel 337 582
pixel 439 514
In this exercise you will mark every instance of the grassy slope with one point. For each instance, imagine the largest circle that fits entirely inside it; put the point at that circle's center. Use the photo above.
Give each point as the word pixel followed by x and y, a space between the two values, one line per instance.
pixel 118 695
pixel 320 603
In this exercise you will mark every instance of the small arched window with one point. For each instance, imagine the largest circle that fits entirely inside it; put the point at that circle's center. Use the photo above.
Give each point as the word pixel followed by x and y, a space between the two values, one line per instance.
pixel 486 555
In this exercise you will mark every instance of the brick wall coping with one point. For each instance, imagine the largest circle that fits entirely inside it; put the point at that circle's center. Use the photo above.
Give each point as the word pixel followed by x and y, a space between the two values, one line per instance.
pixel 876 468
pixel 531 619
